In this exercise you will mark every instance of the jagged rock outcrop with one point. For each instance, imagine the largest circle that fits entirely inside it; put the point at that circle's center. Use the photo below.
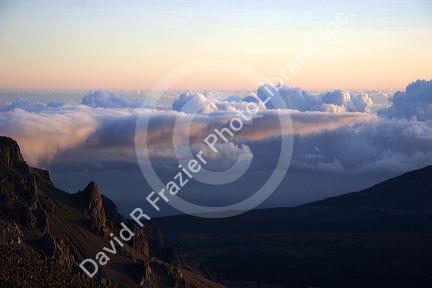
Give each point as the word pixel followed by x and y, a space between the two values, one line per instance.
pixel 10 233
pixel 48 245
pixel 10 154
pixel 56 249
pixel 53 231
pixel 155 238
pixel 148 240
pixel 112 215
pixel 91 202
pixel 18 189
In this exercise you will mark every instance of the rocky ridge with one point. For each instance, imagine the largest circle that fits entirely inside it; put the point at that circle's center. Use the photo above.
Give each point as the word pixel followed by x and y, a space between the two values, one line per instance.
pixel 52 231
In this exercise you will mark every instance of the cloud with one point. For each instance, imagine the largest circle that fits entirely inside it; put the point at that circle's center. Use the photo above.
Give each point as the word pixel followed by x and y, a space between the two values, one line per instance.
pixel 347 102
pixel 191 102
pixel 29 106
pixel 42 136
pixel 234 98
pixel 362 103
pixel 415 101
pixel 340 143
pixel 288 98
pixel 108 134
pixel 337 101
pixel 103 99
pixel 327 135
pixel 377 145
pixel 197 103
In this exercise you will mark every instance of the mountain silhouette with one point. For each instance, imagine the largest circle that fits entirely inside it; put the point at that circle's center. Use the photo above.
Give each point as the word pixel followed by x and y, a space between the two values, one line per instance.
pixel 410 191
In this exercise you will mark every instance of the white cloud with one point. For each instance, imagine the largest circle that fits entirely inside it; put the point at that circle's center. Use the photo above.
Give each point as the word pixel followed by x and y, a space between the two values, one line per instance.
pixel 347 102
pixel 104 99
pixel 194 103
pixel 415 101
pixel 380 144
pixel 29 106
pixel 362 103
pixel 197 103
pixel 288 98
pixel 42 136
pixel 337 101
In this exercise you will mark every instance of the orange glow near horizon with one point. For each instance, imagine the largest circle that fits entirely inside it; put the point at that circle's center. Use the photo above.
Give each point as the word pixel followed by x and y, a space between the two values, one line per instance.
pixel 136 45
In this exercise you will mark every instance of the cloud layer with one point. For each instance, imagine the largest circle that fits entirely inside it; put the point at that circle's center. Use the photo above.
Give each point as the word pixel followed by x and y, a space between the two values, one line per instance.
pixel 42 136
pixel 333 131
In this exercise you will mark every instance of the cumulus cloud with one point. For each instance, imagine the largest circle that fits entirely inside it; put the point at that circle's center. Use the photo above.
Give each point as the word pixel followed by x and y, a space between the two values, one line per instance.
pixel 289 98
pixel 190 102
pixel 362 102
pixel 197 103
pixel 337 101
pixel 415 101
pixel 347 102
pixel 233 98
pixel 104 99
pixel 250 99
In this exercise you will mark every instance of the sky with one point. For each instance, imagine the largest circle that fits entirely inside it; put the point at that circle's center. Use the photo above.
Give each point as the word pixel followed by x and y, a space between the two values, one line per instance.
pixel 139 44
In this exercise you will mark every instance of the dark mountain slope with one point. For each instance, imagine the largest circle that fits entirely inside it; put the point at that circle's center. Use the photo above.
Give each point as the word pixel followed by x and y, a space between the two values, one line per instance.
pixel 410 191
pixel 378 237
pixel 46 233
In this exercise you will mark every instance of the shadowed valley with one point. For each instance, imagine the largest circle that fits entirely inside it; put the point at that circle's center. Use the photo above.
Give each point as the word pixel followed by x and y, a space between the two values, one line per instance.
pixel 379 237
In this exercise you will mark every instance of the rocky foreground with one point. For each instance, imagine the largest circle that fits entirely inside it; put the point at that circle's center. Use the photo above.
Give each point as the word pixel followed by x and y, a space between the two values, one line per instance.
pixel 45 233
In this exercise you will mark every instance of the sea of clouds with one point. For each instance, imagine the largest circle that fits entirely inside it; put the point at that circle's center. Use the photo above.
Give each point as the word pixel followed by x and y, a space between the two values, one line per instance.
pixel 333 130
pixel 337 133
